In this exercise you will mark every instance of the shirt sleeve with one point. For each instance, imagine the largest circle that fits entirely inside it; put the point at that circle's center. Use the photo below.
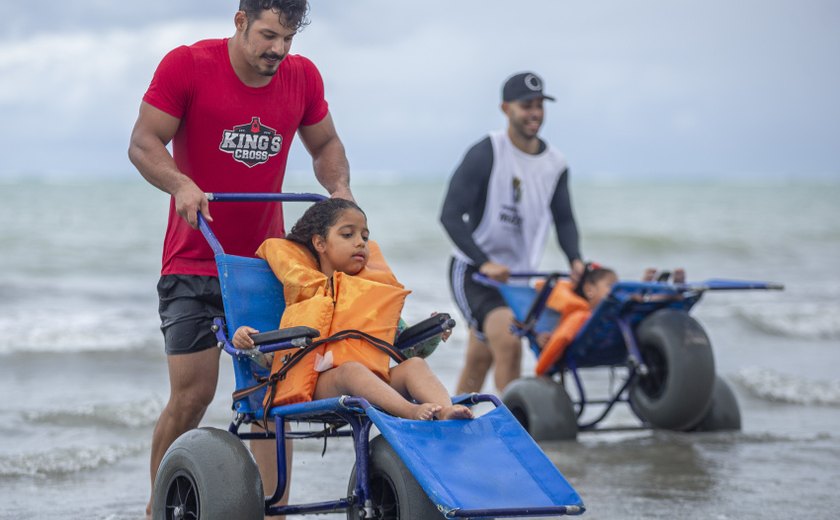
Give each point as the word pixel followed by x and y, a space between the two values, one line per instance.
pixel 465 199
pixel 564 218
pixel 171 86
pixel 316 108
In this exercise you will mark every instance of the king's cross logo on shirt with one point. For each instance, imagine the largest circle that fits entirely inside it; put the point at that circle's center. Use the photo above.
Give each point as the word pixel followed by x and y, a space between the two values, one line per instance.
pixel 251 143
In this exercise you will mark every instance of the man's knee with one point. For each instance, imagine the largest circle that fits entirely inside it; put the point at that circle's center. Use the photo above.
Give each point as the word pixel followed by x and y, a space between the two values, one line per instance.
pixel 479 356
pixel 190 402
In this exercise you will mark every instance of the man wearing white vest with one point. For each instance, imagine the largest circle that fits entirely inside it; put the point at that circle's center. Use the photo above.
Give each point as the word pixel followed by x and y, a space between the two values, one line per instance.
pixel 498 210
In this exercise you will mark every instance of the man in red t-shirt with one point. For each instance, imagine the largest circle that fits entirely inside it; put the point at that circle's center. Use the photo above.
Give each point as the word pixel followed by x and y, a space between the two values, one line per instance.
pixel 231 108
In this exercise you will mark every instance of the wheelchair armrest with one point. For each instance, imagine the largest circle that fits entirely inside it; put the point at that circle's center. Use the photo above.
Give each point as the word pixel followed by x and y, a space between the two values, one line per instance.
pixel 428 328
pixel 278 335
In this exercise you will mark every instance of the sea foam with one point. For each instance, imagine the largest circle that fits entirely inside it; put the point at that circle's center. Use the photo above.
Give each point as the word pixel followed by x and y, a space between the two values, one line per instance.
pixel 134 414
pixel 775 386
pixel 66 460
pixel 807 320
pixel 76 330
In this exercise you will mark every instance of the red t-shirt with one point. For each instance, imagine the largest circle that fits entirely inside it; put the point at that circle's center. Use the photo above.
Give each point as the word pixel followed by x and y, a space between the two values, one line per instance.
pixel 232 138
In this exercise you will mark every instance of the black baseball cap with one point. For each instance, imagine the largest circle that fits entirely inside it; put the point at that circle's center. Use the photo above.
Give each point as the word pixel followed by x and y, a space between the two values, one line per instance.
pixel 522 87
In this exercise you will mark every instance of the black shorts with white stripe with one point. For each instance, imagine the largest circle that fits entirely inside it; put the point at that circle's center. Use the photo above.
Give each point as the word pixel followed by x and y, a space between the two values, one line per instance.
pixel 474 300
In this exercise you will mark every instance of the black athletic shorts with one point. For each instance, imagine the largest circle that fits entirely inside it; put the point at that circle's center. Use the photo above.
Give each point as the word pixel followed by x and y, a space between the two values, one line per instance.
pixel 473 299
pixel 188 304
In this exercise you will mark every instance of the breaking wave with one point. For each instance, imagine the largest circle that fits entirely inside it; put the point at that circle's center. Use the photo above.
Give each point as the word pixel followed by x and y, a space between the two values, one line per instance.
pixel 774 386
pixel 66 460
pixel 135 414
pixel 77 330
pixel 805 320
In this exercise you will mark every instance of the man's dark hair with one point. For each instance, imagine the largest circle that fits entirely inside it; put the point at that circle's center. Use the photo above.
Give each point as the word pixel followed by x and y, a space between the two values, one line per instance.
pixel 294 11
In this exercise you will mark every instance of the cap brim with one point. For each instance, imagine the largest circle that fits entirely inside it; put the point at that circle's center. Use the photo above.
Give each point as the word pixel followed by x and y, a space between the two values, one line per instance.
pixel 532 95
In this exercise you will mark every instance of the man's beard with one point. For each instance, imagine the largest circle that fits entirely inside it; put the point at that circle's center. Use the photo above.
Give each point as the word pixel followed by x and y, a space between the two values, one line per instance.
pixel 271 71
pixel 523 130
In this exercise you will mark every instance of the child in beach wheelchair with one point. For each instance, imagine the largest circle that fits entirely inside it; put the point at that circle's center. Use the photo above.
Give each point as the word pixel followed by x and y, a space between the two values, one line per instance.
pixel 336 282
pixel 334 303
pixel 575 302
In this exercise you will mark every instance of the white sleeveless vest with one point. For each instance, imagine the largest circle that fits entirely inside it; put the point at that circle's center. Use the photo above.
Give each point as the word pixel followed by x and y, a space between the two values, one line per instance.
pixel 517 214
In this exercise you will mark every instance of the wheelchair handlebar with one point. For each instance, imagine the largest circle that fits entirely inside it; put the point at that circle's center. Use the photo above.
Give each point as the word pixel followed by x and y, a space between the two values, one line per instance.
pixel 265 197
pixel 248 197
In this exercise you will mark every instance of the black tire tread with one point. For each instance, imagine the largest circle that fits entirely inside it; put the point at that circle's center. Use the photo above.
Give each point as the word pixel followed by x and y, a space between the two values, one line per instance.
pixel 543 407
pixel 684 393
pixel 223 471
pixel 386 466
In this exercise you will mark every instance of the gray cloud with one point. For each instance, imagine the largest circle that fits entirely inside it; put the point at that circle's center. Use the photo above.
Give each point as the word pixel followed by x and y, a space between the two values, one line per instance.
pixel 677 88
pixel 23 19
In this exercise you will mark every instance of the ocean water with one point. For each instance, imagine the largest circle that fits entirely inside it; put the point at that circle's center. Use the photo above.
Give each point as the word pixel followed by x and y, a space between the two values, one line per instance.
pixel 83 374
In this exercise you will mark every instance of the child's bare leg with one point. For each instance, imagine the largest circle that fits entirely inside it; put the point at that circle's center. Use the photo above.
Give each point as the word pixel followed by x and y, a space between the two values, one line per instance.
pixel 356 379
pixel 413 378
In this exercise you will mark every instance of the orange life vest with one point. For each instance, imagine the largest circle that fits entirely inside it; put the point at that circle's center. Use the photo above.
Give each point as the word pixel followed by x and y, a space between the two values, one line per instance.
pixel 370 301
pixel 574 312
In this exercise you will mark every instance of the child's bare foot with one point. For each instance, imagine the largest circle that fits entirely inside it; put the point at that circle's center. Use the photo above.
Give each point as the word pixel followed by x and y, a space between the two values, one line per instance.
pixel 425 411
pixel 454 411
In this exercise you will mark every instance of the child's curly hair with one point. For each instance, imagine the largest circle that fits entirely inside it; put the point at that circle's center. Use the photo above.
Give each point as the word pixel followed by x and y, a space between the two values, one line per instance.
pixel 317 220
pixel 592 273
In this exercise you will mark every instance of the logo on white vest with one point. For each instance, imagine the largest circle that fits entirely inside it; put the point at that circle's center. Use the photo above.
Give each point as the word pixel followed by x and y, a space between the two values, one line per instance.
pixel 516 189
pixel 252 143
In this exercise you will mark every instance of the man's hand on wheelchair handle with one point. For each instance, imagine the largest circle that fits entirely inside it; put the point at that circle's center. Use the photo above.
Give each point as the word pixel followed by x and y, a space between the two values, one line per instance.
pixel 495 271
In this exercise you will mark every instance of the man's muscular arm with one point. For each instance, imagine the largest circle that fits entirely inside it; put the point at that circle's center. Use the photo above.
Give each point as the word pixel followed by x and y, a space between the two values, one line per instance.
pixel 147 151
pixel 328 157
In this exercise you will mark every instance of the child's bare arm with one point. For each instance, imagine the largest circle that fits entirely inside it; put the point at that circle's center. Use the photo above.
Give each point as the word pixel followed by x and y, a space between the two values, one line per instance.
pixel 242 337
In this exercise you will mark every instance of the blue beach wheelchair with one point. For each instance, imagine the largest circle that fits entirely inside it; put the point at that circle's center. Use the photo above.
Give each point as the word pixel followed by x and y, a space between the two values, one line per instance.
pixel 643 332
pixel 488 467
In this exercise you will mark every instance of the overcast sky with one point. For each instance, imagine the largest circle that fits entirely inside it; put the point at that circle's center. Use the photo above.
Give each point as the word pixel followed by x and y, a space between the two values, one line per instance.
pixel 668 88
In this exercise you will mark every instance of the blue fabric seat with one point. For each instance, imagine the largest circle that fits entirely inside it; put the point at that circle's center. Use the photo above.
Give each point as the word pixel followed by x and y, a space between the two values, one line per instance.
pixel 252 296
